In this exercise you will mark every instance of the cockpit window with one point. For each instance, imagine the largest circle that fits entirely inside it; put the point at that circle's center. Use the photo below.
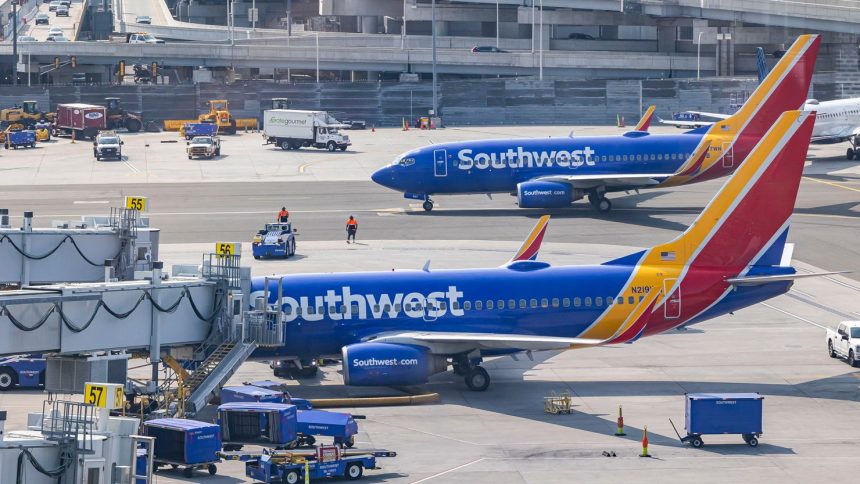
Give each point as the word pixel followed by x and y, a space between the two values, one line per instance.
pixel 406 161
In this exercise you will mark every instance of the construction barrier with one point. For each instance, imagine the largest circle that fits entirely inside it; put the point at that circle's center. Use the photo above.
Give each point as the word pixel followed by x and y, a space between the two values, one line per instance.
pixel 176 124
pixel 246 123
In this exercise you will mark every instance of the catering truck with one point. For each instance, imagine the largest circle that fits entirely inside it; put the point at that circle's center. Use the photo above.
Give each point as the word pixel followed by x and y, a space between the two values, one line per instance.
pixel 292 129
pixel 81 120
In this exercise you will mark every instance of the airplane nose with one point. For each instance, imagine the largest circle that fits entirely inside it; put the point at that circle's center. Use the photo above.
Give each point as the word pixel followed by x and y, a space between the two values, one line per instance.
pixel 383 176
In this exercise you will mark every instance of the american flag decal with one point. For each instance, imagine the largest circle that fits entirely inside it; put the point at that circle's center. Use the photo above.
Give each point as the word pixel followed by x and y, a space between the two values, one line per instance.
pixel 667 256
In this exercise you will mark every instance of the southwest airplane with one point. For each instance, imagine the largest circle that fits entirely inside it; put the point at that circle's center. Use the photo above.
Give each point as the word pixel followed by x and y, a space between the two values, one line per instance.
pixel 398 328
pixel 554 172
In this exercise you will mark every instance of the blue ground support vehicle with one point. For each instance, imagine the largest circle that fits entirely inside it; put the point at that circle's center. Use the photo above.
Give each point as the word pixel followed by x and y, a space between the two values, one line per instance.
pixel 722 413
pixel 25 138
pixel 25 371
pixel 260 423
pixel 326 461
pixel 249 393
pixel 341 426
pixel 275 240
pixel 188 443
pixel 191 130
pixel 300 403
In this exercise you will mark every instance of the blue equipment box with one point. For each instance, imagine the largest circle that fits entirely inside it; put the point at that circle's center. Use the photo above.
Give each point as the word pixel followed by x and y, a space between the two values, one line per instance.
pixel 723 413
pixel 341 426
pixel 258 423
pixel 250 394
pixel 200 129
pixel 184 441
pixel 300 403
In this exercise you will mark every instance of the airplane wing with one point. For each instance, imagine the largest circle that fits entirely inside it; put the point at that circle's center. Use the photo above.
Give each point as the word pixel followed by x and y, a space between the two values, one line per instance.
pixel 710 115
pixel 453 342
pixel 837 136
pixel 626 180
pixel 684 124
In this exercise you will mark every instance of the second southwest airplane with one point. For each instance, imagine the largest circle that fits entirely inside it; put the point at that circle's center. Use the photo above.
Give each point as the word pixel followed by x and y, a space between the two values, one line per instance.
pixel 554 172
pixel 398 328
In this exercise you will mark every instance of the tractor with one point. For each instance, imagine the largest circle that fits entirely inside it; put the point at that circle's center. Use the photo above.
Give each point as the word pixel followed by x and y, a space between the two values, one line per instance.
pixel 28 114
pixel 220 115
pixel 117 117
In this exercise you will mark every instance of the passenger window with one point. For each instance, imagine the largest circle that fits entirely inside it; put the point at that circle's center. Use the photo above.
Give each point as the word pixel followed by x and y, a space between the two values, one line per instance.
pixel 455 305
pixel 298 311
pixel 639 157
pixel 288 311
pixel 588 302
pixel 533 303
pixel 467 305
pixel 631 300
pixel 641 298
pixel 342 309
pixel 659 156
pixel 619 300
pixel 577 302
pixel 376 308
pixel 443 306
pixel 555 302
pixel 480 305
pixel 419 307
pixel 398 307
pixel 522 303
pixel 512 304
pixel 544 303
pixel 387 308
pixel 625 157
pixel 489 304
pixel 611 157
pixel 332 309
pixel 566 302
pixel 501 304
pixel 598 301
pixel 603 158
pixel 609 300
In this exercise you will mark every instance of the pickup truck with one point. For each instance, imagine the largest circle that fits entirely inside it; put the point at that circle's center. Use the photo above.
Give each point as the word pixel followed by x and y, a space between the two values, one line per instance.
pixel 845 342
pixel 107 145
pixel 204 146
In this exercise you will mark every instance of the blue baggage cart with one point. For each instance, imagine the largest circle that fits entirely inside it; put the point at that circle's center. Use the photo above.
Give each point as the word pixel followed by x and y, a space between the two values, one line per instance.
pixel 199 129
pixel 24 138
pixel 722 413
pixel 261 423
pixel 249 393
pixel 188 443
pixel 300 403
pixel 341 426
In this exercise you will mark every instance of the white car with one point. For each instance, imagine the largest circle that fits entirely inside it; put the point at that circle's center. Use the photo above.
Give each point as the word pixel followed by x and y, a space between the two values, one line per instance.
pixel 143 19
pixel 55 31
pixel 53 6
pixel 845 342
pixel 57 38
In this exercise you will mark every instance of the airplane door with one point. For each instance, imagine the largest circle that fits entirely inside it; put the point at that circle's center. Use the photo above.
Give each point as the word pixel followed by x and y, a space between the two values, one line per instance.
pixel 431 308
pixel 440 163
pixel 672 304
pixel 728 155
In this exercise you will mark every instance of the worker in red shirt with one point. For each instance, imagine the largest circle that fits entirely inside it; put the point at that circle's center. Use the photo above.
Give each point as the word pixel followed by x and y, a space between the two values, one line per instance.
pixel 351 229
pixel 283 215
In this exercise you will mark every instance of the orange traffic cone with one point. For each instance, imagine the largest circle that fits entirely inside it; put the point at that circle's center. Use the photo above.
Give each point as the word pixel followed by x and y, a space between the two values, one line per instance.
pixel 619 120
pixel 620 431
pixel 373 129
pixel 645 443
pixel 405 124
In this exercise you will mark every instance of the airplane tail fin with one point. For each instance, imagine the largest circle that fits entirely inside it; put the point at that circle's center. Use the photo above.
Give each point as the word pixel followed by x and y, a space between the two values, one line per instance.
pixel 747 221
pixel 760 64
pixel 531 246
pixel 645 122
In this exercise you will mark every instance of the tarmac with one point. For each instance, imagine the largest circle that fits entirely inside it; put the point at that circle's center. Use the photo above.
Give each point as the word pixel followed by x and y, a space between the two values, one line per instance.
pixel 502 435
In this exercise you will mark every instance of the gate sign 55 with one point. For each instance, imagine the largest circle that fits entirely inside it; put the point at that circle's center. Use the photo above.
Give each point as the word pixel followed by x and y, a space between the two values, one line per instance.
pixel 110 396
pixel 228 248
pixel 136 203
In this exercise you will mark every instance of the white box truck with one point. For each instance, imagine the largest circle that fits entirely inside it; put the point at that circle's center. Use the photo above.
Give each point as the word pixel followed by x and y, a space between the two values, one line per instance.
pixel 292 129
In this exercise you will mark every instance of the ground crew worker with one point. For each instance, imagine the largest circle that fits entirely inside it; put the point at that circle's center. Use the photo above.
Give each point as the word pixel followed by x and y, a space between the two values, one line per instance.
pixel 351 229
pixel 283 215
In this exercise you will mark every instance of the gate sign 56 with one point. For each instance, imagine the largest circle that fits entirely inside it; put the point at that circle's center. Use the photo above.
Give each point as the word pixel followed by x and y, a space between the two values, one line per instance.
pixel 228 248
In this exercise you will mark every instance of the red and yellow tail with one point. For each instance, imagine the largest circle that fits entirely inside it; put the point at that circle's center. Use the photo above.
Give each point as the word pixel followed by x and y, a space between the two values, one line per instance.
pixel 531 246
pixel 645 122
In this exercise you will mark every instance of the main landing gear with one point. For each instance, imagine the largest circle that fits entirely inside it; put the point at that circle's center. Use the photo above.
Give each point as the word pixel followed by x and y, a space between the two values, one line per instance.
pixel 852 152
pixel 475 376
pixel 599 201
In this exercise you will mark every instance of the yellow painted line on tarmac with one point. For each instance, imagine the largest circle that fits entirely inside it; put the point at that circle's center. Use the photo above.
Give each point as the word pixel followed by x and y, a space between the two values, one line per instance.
pixel 837 185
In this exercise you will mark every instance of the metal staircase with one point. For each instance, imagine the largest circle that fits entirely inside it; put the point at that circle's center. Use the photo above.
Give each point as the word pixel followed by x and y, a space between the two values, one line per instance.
pixel 215 370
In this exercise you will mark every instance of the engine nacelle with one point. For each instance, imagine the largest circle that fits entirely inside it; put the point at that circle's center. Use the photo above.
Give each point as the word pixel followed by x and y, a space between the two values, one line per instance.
pixel 389 364
pixel 546 194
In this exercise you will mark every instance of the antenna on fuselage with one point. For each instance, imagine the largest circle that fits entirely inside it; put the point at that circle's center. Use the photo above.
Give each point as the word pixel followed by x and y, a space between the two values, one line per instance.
pixel 570 135
pixel 426 267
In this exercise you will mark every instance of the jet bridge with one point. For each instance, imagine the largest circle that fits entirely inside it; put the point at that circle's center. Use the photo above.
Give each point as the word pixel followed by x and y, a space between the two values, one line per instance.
pixel 94 249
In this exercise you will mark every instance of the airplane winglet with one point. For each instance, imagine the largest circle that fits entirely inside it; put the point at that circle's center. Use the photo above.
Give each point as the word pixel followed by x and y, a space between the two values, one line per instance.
pixel 645 122
pixel 531 246
pixel 426 267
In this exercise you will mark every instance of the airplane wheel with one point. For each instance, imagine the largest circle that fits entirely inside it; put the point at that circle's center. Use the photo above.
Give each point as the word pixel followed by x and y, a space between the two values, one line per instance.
pixel 428 205
pixel 604 205
pixel 477 379
pixel 849 155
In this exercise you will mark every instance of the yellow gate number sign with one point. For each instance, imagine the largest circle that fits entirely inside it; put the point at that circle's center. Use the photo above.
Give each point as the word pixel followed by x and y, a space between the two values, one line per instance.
pixel 110 396
pixel 136 203
pixel 228 248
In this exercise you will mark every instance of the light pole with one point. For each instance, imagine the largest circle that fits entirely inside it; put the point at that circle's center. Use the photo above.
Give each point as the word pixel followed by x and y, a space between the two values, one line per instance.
pixel 533 26
pixel 403 28
pixel 540 55
pixel 254 18
pixel 231 19
pixel 15 41
pixel 433 27
pixel 699 55
pixel 318 56
pixel 497 24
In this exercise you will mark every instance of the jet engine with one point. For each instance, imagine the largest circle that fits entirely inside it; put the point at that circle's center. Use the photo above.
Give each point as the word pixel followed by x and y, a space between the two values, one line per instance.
pixel 546 194
pixel 389 364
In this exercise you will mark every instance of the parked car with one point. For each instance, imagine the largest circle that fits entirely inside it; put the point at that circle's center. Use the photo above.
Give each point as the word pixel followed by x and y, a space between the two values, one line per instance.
pixel 62 11
pixel 52 7
pixel 27 38
pixel 580 36
pixel 43 18
pixel 57 38
pixel 487 48
pixel 55 31
pixel 66 3
pixel 143 19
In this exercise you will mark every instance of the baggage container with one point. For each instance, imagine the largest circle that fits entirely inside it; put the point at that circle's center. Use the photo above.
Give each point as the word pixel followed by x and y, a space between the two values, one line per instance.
pixel 181 442
pixel 723 413
pixel 263 423
pixel 300 403
pixel 341 426
pixel 250 394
